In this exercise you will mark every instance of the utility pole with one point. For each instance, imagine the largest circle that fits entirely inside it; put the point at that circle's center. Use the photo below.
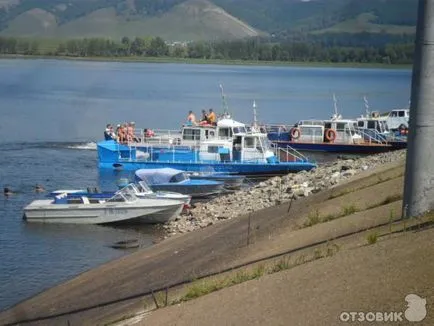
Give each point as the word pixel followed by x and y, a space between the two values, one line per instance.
pixel 419 170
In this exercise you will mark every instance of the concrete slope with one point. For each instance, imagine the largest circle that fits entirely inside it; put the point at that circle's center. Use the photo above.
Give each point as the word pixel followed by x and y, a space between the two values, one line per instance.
pixel 373 278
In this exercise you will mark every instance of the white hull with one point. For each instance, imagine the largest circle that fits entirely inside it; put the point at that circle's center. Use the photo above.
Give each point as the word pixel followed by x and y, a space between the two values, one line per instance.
pixel 142 210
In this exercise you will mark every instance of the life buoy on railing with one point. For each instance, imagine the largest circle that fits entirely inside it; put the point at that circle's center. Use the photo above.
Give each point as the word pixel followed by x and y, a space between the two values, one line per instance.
pixel 330 135
pixel 295 133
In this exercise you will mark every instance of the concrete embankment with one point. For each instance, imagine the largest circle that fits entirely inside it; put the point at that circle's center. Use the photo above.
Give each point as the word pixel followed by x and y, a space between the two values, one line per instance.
pixel 118 288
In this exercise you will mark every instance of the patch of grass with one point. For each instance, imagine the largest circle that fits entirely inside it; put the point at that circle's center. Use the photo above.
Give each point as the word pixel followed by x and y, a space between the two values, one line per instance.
pixel 281 265
pixel 331 249
pixel 200 288
pixel 203 287
pixel 372 238
pixel 348 210
pixel 317 254
pixel 258 271
pixel 300 260
pixel 329 217
pixel 313 218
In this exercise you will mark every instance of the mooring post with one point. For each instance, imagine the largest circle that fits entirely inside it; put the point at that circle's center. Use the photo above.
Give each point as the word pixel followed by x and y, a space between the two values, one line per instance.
pixel 155 299
pixel 419 170
pixel 167 295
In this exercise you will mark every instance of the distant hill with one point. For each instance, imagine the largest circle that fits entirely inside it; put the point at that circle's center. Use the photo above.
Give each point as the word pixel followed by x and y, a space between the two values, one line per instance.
pixel 171 19
pixel 183 20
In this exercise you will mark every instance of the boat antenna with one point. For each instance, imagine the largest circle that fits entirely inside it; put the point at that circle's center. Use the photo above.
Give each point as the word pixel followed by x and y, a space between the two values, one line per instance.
pixel 255 120
pixel 224 103
pixel 335 104
pixel 366 106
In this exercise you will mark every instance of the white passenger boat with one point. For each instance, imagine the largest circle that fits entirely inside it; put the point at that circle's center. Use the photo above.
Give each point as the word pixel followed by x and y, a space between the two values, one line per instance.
pixel 123 207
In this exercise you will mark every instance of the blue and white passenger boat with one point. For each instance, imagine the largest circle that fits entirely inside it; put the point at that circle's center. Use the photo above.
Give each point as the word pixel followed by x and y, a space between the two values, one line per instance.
pixel 229 146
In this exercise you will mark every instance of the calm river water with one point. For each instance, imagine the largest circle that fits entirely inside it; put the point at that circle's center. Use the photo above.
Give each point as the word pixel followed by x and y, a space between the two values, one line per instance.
pixel 52 113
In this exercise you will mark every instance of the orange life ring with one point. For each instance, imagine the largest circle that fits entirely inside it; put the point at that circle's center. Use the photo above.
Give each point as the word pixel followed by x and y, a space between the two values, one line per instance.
pixel 295 133
pixel 330 135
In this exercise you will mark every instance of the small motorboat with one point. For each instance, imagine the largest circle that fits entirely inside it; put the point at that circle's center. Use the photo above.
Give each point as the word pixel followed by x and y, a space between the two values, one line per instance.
pixel 141 190
pixel 231 181
pixel 168 179
pixel 123 207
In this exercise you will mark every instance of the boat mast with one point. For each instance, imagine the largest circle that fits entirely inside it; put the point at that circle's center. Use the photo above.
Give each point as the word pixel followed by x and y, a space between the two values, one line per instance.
pixel 366 106
pixel 335 104
pixel 255 120
pixel 224 103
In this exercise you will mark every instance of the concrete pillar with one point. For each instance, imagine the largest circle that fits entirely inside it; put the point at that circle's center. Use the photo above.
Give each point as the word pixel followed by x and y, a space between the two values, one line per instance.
pixel 419 170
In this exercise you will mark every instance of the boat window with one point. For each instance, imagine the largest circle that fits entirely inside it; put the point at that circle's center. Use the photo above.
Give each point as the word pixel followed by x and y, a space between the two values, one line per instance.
pixel 328 125
pixel 225 133
pixel 211 133
pixel 401 113
pixel 340 126
pixel 191 134
pixel 371 124
pixel 178 178
pixel 239 130
pixel 259 147
pixel 361 124
pixel 213 149
pixel 394 114
pixel 249 142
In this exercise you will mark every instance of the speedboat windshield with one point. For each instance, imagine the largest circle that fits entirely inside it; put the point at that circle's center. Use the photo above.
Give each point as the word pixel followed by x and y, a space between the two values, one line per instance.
pixel 143 187
pixel 179 177
pixel 126 194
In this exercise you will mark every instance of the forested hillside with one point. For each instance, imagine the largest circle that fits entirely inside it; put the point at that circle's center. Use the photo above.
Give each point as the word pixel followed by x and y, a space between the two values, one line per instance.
pixel 190 19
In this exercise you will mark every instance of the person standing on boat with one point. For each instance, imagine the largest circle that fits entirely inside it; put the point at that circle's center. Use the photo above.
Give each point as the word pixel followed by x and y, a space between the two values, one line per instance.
pixel 212 117
pixel 191 119
pixel 108 133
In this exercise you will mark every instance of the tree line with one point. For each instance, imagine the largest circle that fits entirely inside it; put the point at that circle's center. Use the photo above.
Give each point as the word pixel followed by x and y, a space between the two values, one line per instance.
pixel 249 49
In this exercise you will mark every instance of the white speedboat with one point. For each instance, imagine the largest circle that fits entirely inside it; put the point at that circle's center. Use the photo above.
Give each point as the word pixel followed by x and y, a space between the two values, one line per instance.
pixel 123 207
pixel 141 190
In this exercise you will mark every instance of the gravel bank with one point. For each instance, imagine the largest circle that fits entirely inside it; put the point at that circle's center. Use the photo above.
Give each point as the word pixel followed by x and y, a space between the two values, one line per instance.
pixel 275 190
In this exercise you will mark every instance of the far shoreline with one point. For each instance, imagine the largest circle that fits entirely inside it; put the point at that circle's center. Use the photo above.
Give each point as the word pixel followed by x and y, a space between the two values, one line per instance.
pixel 138 59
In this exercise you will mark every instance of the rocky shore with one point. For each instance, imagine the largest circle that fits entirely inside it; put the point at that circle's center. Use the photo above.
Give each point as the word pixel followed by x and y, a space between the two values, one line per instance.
pixel 276 190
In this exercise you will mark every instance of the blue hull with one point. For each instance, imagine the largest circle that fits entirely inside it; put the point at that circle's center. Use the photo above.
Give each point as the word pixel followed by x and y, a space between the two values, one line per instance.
pixel 237 168
pixel 120 157
pixel 337 148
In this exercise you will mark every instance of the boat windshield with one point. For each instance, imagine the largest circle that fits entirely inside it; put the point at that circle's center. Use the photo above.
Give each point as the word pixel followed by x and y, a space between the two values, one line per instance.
pixel 179 177
pixel 143 187
pixel 126 194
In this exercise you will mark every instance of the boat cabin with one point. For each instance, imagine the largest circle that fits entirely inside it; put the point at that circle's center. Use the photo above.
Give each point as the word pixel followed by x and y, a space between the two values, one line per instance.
pixel 243 148
pixel 378 125
pixel 330 131
pixel 193 135
pixel 397 118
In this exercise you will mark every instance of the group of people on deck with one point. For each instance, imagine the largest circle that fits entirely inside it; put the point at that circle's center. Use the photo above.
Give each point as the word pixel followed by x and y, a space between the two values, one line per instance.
pixel 207 118
pixel 124 133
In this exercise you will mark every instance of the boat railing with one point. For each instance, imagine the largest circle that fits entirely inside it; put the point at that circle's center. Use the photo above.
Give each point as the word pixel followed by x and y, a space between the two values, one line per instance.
pixel 288 153
pixel 373 136
pixel 275 127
